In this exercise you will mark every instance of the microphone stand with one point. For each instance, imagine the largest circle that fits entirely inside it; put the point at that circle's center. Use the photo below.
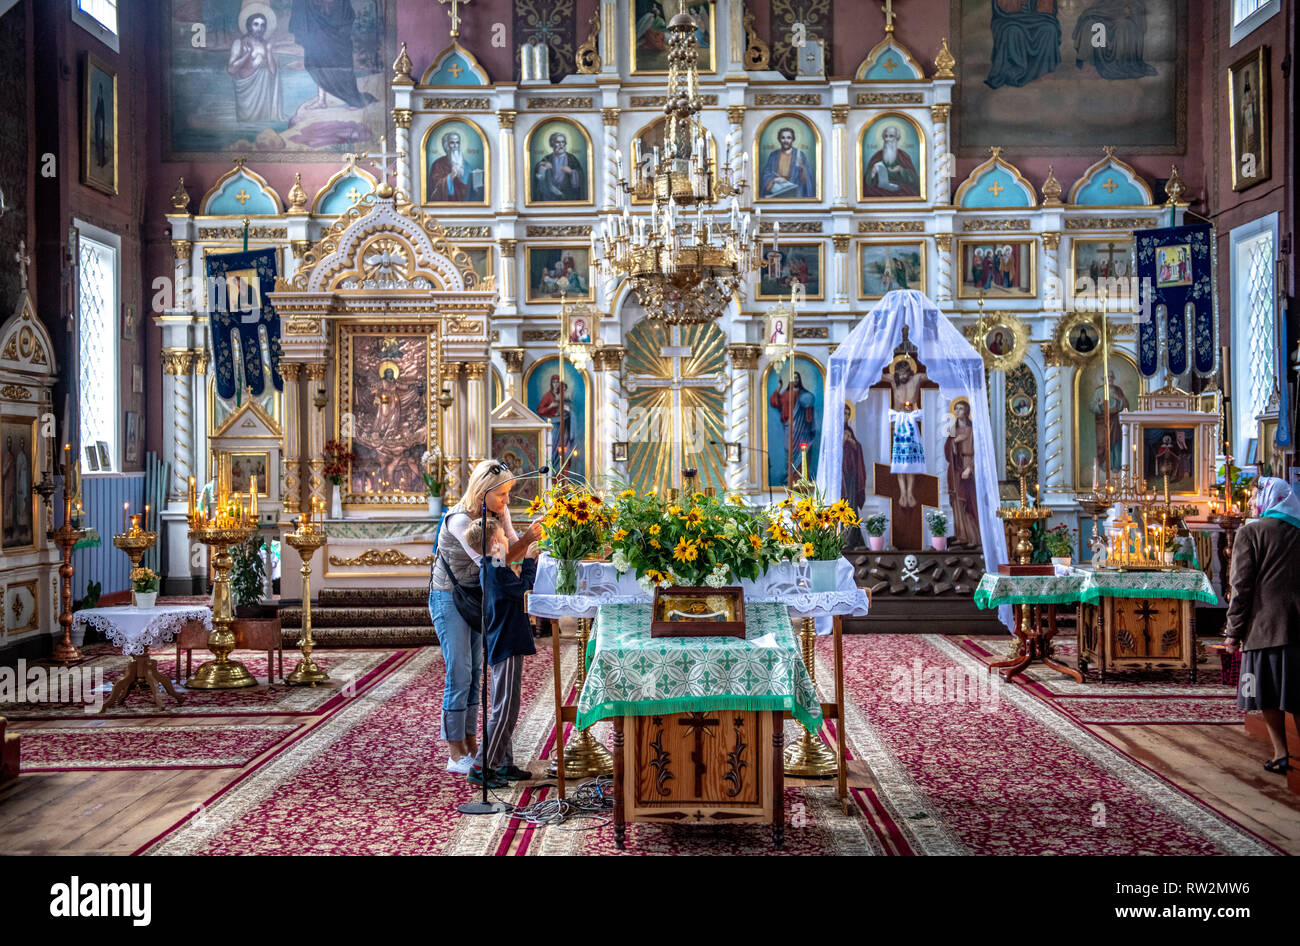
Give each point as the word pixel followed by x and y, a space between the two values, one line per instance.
pixel 770 498
pixel 485 807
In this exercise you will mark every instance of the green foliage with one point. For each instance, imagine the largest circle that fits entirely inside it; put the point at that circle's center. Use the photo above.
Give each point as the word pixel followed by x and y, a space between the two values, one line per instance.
pixel 938 523
pixel 248 575
pixel 93 590
pixel 875 525
pixel 1059 541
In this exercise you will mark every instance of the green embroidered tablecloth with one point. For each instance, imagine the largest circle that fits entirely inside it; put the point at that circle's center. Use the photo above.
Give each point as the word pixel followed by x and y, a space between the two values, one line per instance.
pixel 629 673
pixel 1089 586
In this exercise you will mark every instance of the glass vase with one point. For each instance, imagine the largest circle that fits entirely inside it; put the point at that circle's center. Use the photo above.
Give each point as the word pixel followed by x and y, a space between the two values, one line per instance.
pixel 566 576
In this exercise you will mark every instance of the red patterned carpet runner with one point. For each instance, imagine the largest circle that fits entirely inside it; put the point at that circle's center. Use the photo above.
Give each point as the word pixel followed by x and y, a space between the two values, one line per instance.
pixel 222 745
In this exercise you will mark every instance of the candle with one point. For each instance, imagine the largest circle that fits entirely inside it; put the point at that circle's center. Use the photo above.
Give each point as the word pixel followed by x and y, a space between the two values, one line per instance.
pixel 252 498
pixel 192 495
pixel 126 517
pixel 146 516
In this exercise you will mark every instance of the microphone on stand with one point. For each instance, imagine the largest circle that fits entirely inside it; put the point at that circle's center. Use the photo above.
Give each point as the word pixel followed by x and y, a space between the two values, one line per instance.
pixel 770 498
pixel 485 807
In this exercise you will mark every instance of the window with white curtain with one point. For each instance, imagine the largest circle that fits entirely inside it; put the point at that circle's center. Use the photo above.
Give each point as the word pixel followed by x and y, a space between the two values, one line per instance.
pixel 1254 351
pixel 98 281
pixel 1247 15
pixel 98 17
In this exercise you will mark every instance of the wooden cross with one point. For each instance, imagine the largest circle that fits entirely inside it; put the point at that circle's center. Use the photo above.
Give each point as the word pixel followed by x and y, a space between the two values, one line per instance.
pixel 698 723
pixel 995 188
pixel 23 262
pixel 1146 613
pixel 1109 253
pixel 381 158
pixel 905 522
pixel 455 15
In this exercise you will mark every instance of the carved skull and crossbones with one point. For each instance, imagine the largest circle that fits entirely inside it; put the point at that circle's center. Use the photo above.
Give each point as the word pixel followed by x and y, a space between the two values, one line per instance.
pixel 910 570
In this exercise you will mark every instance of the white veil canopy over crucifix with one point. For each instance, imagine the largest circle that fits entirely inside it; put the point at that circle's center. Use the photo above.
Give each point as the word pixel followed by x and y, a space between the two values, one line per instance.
pixel 951 362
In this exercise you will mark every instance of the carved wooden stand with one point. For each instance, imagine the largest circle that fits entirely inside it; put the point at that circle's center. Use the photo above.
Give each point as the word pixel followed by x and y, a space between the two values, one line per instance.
pixel 1035 641
pixel 143 670
pixel 710 767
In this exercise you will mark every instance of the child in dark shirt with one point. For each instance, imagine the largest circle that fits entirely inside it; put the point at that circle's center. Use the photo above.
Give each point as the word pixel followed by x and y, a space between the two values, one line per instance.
pixel 509 640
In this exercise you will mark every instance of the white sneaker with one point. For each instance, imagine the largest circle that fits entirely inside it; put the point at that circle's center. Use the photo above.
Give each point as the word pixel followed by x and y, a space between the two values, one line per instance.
pixel 461 766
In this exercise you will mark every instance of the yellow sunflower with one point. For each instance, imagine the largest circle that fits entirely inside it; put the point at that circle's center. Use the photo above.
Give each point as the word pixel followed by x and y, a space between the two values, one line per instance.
pixel 627 494
pixel 755 541
pixel 808 550
pixel 620 535
pixel 695 516
pixel 686 551
pixel 654 544
pixel 655 529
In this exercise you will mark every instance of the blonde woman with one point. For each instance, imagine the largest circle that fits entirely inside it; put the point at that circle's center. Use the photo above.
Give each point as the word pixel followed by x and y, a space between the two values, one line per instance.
pixel 462 644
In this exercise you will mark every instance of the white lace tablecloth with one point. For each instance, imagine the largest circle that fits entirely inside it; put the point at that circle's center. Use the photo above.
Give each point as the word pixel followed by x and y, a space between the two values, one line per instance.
pixel 133 629
pixel 789 584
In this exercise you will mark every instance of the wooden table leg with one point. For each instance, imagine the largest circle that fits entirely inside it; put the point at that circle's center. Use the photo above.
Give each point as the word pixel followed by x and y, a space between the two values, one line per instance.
pixel 778 780
pixel 157 680
pixel 1046 647
pixel 620 824
pixel 123 686
pixel 841 736
pixel 559 707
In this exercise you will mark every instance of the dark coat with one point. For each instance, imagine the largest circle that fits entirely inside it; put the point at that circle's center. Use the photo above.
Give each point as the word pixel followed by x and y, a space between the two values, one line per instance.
pixel 509 633
pixel 1265 607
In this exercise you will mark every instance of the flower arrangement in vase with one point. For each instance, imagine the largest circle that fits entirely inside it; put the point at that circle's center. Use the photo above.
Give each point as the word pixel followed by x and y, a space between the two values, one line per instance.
pixel 938 523
pixel 701 540
pixel 575 524
pixel 1060 544
pixel 875 527
pixel 338 461
pixel 430 466
pixel 818 527
pixel 144 587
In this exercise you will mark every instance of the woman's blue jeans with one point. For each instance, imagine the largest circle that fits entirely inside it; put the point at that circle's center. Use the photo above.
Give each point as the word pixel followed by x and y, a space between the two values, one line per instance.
pixel 462 652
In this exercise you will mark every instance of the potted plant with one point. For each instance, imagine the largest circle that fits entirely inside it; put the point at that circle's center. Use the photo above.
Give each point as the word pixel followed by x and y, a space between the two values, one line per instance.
pixel 938 524
pixel 1060 544
pixel 875 526
pixel 144 587
pixel 338 461
pixel 248 578
pixel 430 462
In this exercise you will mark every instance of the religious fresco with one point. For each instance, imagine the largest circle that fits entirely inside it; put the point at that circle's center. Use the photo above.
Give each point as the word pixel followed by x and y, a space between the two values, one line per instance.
pixel 276 79
pixel 99 147
pixel 455 163
pixel 1033 80
pixel 555 271
pixel 1248 118
pixel 1169 452
pixel 388 404
pixel 794 397
pixel 649 40
pixel 1090 417
pixel 891 159
pixel 883 267
pixel 794 262
pixel 1096 261
pixel 17 464
pixel 996 268
pixel 787 159
pixel 559 163
pixel 564 405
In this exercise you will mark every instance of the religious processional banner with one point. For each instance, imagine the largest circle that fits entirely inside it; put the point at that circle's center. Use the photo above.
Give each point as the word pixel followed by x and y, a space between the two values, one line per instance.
pixel 239 303
pixel 1175 270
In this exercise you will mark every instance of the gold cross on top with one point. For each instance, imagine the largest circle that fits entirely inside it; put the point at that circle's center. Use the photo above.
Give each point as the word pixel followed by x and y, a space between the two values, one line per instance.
pixel 890 15
pixel 454 12
pixel 455 70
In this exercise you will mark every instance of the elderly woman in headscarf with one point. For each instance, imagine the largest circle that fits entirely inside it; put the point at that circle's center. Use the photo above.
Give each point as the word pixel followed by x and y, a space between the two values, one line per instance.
pixel 1264 615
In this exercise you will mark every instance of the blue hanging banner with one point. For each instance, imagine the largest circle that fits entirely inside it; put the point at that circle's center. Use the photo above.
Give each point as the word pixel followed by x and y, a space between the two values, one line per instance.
pixel 1175 270
pixel 239 300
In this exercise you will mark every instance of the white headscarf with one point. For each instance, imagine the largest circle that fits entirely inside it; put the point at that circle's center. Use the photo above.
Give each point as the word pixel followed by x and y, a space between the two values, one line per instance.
pixel 1276 500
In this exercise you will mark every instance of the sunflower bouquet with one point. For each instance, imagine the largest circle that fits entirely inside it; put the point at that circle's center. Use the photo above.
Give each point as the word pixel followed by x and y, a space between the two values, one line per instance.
pixel 815 526
pixel 575 524
pixel 696 540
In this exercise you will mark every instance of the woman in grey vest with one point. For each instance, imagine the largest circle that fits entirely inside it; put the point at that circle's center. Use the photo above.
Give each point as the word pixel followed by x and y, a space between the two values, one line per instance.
pixel 462 645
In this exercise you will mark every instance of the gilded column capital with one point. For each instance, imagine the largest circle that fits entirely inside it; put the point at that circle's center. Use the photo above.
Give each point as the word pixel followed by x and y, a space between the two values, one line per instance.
pixel 201 360
pixel 943 241
pixel 291 370
pixel 182 249
pixel 736 114
pixel 744 356
pixel 451 371
pixel 1052 355
pixel 475 370
pixel 940 113
pixel 610 115
pixel 506 117
pixel 316 370
pixel 1052 239
pixel 402 117
pixel 299 247
pixel 839 114
pixel 609 357
pixel 841 241
pixel 514 359
pixel 507 245
pixel 177 361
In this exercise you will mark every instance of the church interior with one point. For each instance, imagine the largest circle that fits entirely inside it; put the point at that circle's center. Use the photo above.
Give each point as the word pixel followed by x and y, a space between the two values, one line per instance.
pixel 671 427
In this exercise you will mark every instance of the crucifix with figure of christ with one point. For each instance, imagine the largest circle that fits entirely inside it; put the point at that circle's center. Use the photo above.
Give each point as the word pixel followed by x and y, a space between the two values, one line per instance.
pixel 700 724
pixel 904 480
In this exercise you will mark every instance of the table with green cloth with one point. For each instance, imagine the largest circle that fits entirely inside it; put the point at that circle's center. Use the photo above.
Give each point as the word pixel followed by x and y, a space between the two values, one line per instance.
pixel 1088 586
pixel 629 673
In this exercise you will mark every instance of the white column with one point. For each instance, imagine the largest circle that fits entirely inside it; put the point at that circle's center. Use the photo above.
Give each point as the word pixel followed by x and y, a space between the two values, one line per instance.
pixel 744 361
pixel 609 365
pixel 839 154
pixel 998 417
pixel 609 34
pixel 610 118
pixel 943 271
pixel 735 36
pixel 1055 440
pixel 316 372
pixel 402 122
pixel 943 166
pixel 291 462
pixel 506 282
pixel 1052 268
pixel 452 454
pixel 841 292
pixel 199 400
pixel 506 158
pixel 476 392
pixel 178 364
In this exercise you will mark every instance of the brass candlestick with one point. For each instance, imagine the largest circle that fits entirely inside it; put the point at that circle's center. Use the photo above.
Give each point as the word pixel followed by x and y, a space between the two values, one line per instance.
pixel 135 543
pixel 306 539
pixel 1021 516
pixel 808 756
pixel 584 757
pixel 221 673
pixel 67 536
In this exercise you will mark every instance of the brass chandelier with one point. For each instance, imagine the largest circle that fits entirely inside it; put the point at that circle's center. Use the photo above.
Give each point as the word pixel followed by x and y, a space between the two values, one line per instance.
pixel 684 267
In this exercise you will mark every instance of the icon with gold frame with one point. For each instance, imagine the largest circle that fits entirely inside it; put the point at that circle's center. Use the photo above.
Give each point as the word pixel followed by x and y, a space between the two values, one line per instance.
pixel 1004 341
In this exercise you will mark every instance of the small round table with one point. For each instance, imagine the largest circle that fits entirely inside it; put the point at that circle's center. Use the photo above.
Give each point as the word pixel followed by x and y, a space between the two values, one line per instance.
pixel 135 630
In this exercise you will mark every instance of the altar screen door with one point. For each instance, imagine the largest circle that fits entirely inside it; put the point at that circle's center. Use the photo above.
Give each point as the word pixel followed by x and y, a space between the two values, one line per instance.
pixel 676 378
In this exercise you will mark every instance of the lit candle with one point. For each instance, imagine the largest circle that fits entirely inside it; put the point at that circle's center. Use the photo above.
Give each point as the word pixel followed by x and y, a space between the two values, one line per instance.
pixel 126 517
pixel 146 517
pixel 192 495
pixel 252 498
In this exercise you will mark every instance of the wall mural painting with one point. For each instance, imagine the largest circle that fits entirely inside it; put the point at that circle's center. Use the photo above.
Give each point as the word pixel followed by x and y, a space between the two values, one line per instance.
pixel 787 154
pixel 795 397
pixel 455 163
pixel 891 159
pixel 17 462
pixel 1090 419
pixel 559 163
pixel 389 403
pixel 564 404
pixel 649 24
pixel 276 79
pixel 1039 76
pixel 883 267
pixel 794 262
